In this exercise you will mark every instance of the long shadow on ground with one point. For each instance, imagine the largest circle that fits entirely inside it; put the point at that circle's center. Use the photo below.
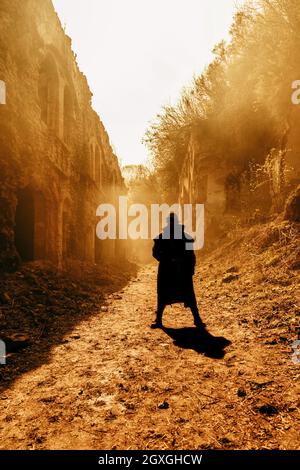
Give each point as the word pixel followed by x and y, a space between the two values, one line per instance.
pixel 41 306
pixel 200 341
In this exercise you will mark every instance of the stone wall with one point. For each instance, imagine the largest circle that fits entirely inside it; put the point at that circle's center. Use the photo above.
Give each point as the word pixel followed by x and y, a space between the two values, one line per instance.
pixel 241 190
pixel 203 179
pixel 56 161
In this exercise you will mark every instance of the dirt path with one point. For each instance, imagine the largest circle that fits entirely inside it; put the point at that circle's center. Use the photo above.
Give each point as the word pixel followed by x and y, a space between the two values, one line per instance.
pixel 115 383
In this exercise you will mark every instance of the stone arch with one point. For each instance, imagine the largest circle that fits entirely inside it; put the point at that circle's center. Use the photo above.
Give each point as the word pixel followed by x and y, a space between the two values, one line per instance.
pixel 30 224
pixel 49 93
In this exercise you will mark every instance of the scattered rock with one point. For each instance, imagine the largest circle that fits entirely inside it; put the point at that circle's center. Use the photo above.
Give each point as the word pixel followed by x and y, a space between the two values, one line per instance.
pixel 47 400
pixel 130 406
pixel 225 441
pixel 241 392
pixel 271 342
pixel 5 298
pixel 283 339
pixel 230 277
pixel 164 405
pixel 268 410
pixel 232 269
pixel 54 419
pixel 259 386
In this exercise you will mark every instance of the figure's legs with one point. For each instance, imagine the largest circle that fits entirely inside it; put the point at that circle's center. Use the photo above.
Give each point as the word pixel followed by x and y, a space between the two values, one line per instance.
pixel 197 320
pixel 159 314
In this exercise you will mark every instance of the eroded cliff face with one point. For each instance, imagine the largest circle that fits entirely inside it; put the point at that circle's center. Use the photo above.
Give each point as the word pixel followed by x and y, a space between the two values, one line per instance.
pixel 56 161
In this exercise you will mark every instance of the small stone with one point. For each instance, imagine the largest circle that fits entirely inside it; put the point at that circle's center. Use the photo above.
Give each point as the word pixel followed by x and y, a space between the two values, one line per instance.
pixel 164 405
pixel 268 410
pixel 272 342
pixel 241 392
pixel 5 298
pixel 230 277
pixel 130 406
pixel 232 269
pixel 75 337
pixel 283 339
pixel 225 441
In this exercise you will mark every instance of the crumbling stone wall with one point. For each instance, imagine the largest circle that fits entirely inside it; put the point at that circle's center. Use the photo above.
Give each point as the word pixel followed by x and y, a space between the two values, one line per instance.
pixel 56 161
pixel 203 179
pixel 242 190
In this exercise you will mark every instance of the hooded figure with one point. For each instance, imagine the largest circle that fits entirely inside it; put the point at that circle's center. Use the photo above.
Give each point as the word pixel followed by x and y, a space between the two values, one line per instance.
pixel 175 271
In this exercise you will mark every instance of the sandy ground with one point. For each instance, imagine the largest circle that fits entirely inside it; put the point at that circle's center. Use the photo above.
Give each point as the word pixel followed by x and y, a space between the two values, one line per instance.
pixel 113 383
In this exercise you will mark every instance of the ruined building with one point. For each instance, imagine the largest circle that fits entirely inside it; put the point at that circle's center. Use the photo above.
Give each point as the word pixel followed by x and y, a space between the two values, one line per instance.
pixel 56 161
pixel 208 178
pixel 240 189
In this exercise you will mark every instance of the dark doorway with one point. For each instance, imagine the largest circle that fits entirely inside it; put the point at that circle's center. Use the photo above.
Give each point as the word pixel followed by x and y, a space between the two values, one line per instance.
pixel 24 225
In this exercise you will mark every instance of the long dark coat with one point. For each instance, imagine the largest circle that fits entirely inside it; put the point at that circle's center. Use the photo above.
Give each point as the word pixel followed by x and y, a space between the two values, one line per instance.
pixel 175 271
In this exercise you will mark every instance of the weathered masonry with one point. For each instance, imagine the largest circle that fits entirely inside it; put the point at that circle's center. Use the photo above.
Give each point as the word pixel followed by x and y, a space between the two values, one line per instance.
pixel 56 161
pixel 236 189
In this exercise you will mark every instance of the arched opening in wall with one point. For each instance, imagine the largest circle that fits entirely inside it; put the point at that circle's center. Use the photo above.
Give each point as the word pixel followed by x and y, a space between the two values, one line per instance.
pixel 232 191
pixel 97 166
pixel 24 224
pixel 68 114
pixel 49 93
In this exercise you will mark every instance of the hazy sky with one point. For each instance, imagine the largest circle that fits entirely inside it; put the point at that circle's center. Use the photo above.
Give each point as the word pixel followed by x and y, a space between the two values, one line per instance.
pixel 138 54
